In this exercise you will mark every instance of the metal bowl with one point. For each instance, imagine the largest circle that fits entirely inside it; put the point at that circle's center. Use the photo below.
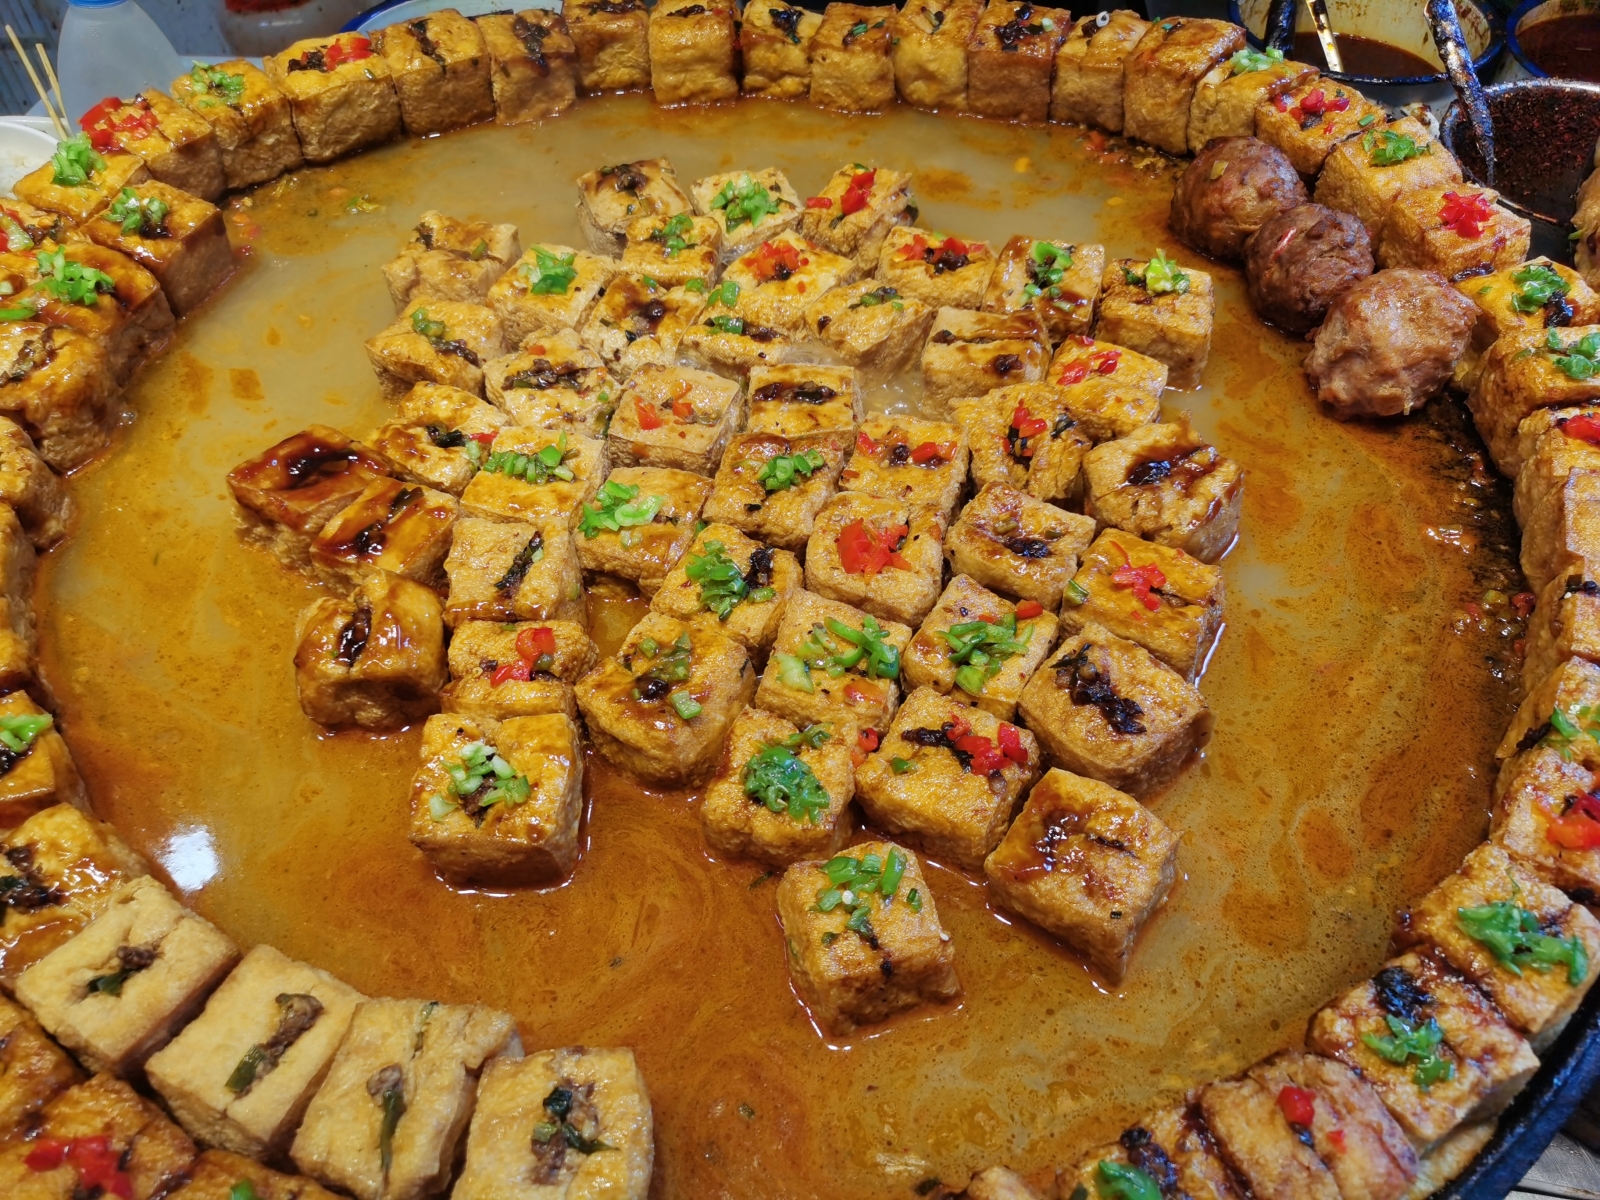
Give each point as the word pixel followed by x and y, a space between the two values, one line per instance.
pixel 1519 65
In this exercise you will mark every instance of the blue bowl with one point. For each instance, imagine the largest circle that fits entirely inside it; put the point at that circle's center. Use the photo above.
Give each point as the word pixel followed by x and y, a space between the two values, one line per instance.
pixel 1514 44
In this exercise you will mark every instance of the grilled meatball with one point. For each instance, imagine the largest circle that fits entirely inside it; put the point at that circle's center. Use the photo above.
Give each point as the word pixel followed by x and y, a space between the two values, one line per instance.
pixel 1389 343
pixel 1231 187
pixel 1295 264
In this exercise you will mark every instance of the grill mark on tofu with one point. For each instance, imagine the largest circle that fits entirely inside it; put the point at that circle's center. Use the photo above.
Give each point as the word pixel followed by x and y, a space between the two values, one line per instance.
pixel 1184 470
pixel 34 354
pixel 532 38
pixel 787 22
pixel 419 30
pixel 353 637
pixel 1146 1153
pixel 794 392
pixel 544 375
pixel 520 565
pixel 26 890
pixel 1399 994
pixel 1086 682
pixel 625 177
pixel 317 461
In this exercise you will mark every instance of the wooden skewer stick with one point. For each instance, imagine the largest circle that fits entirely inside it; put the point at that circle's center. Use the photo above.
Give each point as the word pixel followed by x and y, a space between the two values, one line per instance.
pixel 44 96
pixel 55 84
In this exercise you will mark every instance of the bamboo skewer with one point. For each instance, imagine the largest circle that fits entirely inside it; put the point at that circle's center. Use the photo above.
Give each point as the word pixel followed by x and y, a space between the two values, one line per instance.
pixel 55 84
pixel 44 96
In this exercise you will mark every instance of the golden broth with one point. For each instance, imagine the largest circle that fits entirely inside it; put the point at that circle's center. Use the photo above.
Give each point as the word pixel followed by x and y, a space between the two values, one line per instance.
pixel 1357 708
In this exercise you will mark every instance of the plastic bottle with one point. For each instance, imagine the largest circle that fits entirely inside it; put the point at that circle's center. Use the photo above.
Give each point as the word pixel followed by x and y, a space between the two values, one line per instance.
pixel 111 48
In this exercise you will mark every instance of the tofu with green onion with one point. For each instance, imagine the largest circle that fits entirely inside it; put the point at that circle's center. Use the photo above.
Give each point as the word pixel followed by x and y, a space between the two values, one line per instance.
pixel 772 487
pixel 942 271
pixel 240 1076
pixel 870 325
pixel 129 980
pixel 832 663
pixel 573 1122
pixel 36 768
pixel 863 937
pixel 1562 533
pixel 1059 282
pixel 553 381
pixel 863 205
pixel 79 180
pixel 528 474
pixel 1171 1142
pixel 177 146
pixel 401 528
pixel 1109 391
pixel 440 438
pixel 884 557
pixel 513 571
pixel 799 399
pixel 640 322
pixel 693 52
pixel 57 385
pixel 1160 310
pixel 1011 56
pixel 435 341
pixel 33 1069
pixel 1024 437
pixel 727 342
pixel 674 418
pixel 947 777
pixel 1107 709
pixel 1017 545
pixel 612 198
pixel 774 282
pixel 1560 712
pixel 178 238
pixel 1535 295
pixel 1090 67
pixel 18 633
pixel 850 66
pixel 549 288
pixel 1268 1153
pixel 1458 230
pixel 734 580
pixel 440 68
pixel 533 64
pixel 780 793
pixel 775 41
pixel 388 1119
pixel 249 118
pixel 1436 1049
pixel 341 94
pixel 928 50
pixel 1227 97
pixel 676 250
pixel 1364 176
pixel 640 523
pixel 749 207
pixel 450 259
pixel 35 493
pixel 921 464
pixel 976 648
pixel 517 669
pixel 972 353
pixel 218 1174
pixel 662 706
pixel 1162 73
pixel 1544 817
pixel 1525 372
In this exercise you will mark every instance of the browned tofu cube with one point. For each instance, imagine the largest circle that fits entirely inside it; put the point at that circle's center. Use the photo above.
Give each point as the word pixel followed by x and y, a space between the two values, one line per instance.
pixel 676 418
pixel 1161 598
pixel 374 660
pixel 979 648
pixel 553 382
pixel 970 353
pixel 530 474
pixel 1539 295
pixel 57 384
pixel 497 803
pixel 178 147
pixel 640 322
pixel 662 706
pixel 1521 374
pixel 523 669
pixel 1226 99
pixel 850 67
pixel 249 118
pixel 913 462
pixel 1365 175
pixel 1089 69
pixel 929 52
pixel 1456 229
pixel 882 556
pixel 549 288
pixel 882 951
pixel 79 180
pixel 36 494
pixel 1108 391
pixel 800 399
pixel 242 1073
pixel 780 793
pixel 533 64
pixel 1562 533
pixel 1161 311
pixel 772 486
pixel 1565 624
pixel 1059 282
pixel 289 492
pixel 749 207
pixel 1265 1150
pixel 863 204
pixel 817 634
pixel 611 198
pixel 1542 820
pixel 179 239
pixel 740 583
pixel 130 980
pixel 1108 710
pixel 1025 437
pixel 947 272
pixel 693 52
pixel 640 523
pixel 401 528
pixel 1166 66
pixel 775 41
pixel 1172 1138
pixel 1018 545
pixel 1560 712
pixel 1010 59
pixel 947 777
pixel 1548 451
pixel 39 225
pixel 776 281
pixel 216 1174
pixel 440 68
pixel 34 1070
pixel 128 316
pixel 513 571
pixel 674 250
pixel 1086 863
pixel 1308 121
pixel 450 259
pixel 341 94
pixel 18 637
pixel 387 1122
pixel 731 344
pixel 435 341
pixel 1435 1048
pixel 871 326
pixel 441 437
pixel 612 37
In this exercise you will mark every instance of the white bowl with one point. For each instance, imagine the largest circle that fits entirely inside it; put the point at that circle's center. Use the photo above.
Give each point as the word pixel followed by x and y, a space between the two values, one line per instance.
pixel 25 143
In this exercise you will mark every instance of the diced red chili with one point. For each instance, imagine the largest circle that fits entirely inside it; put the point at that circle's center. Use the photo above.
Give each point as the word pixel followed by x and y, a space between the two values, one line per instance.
pixel 1579 827
pixel 865 445
pixel 916 249
pixel 1585 427
pixel 866 551
pixel 97 1164
pixel 539 640
pixel 1026 424
pixel 1010 739
pixel 933 452
pixel 869 740
pixel 483 439
pixel 1523 604
pixel 343 51
pixel 1299 1106
pixel 986 755
pixel 818 202
pixel 775 260
pixel 649 418
pixel 858 192
pixel 1140 580
pixel 1029 609
pixel 505 672
pixel 1466 215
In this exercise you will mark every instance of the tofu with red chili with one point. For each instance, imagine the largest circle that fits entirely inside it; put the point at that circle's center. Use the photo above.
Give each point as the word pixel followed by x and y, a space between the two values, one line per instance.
pixel 1011 57
pixel 1308 121
pixel 862 204
pixel 871 326
pixel 749 207
pixel 441 437
pixel 693 52
pixel 776 281
pixel 1086 863
pixel 517 669
pixel 450 259
pixel 734 580
pixel 929 52
pixel 1059 282
pixel 640 322
pixel 530 474
pixel 1562 533
pixel 289 492
pixel 910 461
pixel 1227 97
pixel 1109 391
pixel 553 381
pixel 58 386
pixel 775 42
pixel 1107 709
pixel 662 706
pixel 882 556
pixel 1162 73
pixel 1162 311
pixel 971 353
pixel 35 493
pixel 1266 1152
pixel 850 66
pixel 33 1069
pixel 1364 176
pixel 1523 372
pixel 613 41
pixel 611 198
pixel 80 180
pixel 435 341
pixel 242 1073
pixel 533 64
pixel 676 418
pixel 772 487
pixel 249 117
pixel 864 937
pixel 440 68
pixel 676 251
pixel 549 288
pixel 818 637
pixel 401 528
pixel 1090 68
pixel 513 571
pixel 178 147
pixel 1025 437
pixel 943 271
pixel 978 648
pixel 1546 815
pixel 341 94
pixel 640 524
pixel 374 660
pixel 800 399
pixel 1456 229
pixel 1018 545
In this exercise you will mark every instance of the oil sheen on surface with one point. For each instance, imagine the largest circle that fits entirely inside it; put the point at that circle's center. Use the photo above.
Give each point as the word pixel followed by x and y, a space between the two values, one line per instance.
pixel 1356 713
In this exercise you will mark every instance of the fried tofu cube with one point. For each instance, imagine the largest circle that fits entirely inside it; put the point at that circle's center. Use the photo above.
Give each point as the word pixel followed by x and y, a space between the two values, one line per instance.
pixel 440 68
pixel 1169 321
pixel 797 684
pixel 947 272
pixel 35 493
pixel 864 204
pixel 130 321
pixel 58 385
pixel 613 41
pixel 1535 296
pixel 530 474
pixel 988 671
pixel 871 326
pixel 34 1070
pixel 799 399
pixel 880 555
pixel 553 382
pixel 918 463
pixel 1086 863
pixel 693 57
pixel 1520 375
pixel 1058 282
pixel 640 322
pixel 775 39
pixel 1458 230
pixel 1556 713
pixel 533 64
pixel 1108 391
pixel 662 706
pixel 729 344
pixel 375 660
pixel 402 528
pixel 181 240
pixel 850 66
pixel 1308 121
pixel 612 198
pixel 777 504
pixel 18 636
pixel 450 259
pixel 341 94
pixel 1365 175
pixel 130 980
pixel 513 571
pixel 929 52
pixel 523 669
pixel 749 207
pixel 217 1173
pixel 423 1059
pixel 1435 1048
pixel 1565 624
pixel 1089 69
pixel 1265 1151
pixel 1011 57
pixel 1170 60
pixel 676 418
pixel 1535 798
pixel 777 280
pixel 947 777
pixel 1173 608
pixel 1226 99
pixel 1106 709
pixel 737 581
pixel 436 341
pixel 497 803
pixel 641 523
pixel 674 250
pixel 177 146
pixel 1563 532
pixel 1018 545
pixel 1547 453
pixel 1025 437
pixel 242 1073
pixel 1167 485
pixel 43 188
pixel 249 118
pixel 1180 1137
pixel 780 794
pixel 440 437
pixel 882 953
pixel 549 288
pixel 970 353
pixel 289 492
